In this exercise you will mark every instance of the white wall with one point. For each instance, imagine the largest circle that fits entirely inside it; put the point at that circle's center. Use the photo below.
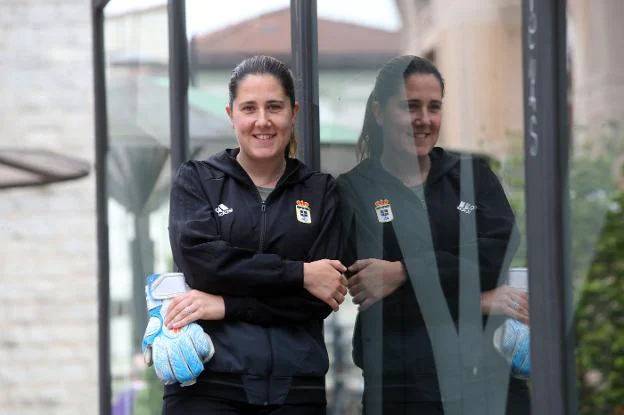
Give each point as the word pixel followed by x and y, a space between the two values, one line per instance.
pixel 141 35
pixel 48 324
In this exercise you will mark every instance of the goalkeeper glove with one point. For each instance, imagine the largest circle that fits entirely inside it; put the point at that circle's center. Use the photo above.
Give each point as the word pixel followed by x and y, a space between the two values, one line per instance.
pixel 513 341
pixel 178 355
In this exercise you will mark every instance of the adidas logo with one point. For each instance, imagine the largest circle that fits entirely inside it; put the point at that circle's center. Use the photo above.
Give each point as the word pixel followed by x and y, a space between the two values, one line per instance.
pixel 223 210
pixel 466 207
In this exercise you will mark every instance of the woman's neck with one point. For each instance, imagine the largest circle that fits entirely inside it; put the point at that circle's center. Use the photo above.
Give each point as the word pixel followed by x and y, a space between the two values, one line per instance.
pixel 264 173
pixel 412 171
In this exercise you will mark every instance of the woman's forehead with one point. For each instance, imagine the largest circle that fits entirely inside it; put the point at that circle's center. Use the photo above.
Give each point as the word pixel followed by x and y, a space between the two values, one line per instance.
pixel 260 85
pixel 419 86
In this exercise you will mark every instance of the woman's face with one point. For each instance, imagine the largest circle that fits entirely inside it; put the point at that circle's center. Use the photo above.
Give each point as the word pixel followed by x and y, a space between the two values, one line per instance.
pixel 411 118
pixel 262 117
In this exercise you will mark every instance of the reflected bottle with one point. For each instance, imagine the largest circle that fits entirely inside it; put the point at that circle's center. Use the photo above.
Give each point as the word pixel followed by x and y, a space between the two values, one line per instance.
pixel 512 339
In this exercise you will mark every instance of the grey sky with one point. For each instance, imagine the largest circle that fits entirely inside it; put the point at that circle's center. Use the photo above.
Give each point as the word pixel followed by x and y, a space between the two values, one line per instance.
pixel 209 15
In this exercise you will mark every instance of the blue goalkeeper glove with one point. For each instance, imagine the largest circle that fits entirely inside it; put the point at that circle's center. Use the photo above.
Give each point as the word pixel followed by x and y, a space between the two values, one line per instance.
pixel 178 355
pixel 513 341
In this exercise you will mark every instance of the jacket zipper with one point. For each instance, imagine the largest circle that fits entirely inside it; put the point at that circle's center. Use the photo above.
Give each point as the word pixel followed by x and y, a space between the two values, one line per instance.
pixel 261 249
pixel 262 226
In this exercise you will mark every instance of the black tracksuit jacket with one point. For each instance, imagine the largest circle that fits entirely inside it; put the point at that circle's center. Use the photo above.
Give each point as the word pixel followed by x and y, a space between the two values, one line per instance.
pixel 455 242
pixel 269 349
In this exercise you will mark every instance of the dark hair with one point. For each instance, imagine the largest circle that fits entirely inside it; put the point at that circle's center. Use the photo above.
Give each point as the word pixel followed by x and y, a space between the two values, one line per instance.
pixel 266 65
pixel 387 83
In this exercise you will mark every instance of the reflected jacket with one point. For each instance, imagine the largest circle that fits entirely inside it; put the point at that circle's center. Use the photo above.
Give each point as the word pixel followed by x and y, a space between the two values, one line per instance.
pixel 461 238
pixel 269 349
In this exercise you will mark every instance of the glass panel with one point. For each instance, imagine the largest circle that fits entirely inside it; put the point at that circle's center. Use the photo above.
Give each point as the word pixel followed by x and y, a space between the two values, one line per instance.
pixel 138 188
pixel 220 37
pixel 442 228
pixel 596 103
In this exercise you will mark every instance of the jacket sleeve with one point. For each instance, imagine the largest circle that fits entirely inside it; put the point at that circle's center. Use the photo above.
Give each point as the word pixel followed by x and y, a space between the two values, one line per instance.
pixel 209 263
pixel 299 306
pixel 272 311
pixel 495 239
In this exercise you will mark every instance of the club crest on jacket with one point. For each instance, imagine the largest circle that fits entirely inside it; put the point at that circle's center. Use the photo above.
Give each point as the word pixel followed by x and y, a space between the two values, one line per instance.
pixel 384 211
pixel 303 211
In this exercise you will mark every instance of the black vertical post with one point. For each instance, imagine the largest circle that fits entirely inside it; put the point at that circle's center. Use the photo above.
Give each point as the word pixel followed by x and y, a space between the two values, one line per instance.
pixel 101 149
pixel 546 154
pixel 178 83
pixel 193 66
pixel 304 46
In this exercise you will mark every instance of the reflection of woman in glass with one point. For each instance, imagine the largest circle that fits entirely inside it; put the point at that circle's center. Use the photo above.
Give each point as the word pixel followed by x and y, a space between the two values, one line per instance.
pixel 250 228
pixel 426 250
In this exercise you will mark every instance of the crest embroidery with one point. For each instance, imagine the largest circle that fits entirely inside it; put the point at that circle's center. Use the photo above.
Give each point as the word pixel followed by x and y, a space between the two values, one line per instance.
pixel 384 211
pixel 303 211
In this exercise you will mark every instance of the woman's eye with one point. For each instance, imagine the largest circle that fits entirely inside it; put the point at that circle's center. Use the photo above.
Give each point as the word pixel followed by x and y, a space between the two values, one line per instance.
pixel 275 108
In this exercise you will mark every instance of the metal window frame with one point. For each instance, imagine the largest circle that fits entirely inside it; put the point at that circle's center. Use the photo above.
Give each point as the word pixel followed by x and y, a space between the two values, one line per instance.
pixel 178 81
pixel 304 45
pixel 546 136
pixel 101 147
pixel 99 4
pixel 546 151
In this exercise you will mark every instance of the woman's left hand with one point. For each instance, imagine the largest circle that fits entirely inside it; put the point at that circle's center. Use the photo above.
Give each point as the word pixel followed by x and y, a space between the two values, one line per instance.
pixel 506 300
pixel 194 305
pixel 373 280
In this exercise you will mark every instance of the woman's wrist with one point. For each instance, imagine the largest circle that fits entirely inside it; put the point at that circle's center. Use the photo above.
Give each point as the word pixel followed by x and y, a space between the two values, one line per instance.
pixel 399 276
pixel 214 308
pixel 485 302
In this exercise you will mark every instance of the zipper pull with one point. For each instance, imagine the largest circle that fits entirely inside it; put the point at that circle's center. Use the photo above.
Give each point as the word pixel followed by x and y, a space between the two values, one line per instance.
pixel 263 207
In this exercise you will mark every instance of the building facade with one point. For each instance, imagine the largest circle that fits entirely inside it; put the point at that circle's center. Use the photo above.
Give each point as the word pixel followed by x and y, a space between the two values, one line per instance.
pixel 478 48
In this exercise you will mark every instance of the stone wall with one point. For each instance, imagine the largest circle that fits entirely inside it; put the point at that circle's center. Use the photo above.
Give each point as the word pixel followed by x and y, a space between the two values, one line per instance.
pixel 48 254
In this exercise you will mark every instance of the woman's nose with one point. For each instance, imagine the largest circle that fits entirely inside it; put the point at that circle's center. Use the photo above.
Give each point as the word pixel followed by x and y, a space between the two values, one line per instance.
pixel 426 117
pixel 262 118
pixel 422 118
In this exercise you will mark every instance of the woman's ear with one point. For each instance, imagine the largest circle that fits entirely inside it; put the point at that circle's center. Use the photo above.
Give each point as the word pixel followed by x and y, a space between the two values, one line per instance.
pixel 228 110
pixel 295 110
pixel 376 109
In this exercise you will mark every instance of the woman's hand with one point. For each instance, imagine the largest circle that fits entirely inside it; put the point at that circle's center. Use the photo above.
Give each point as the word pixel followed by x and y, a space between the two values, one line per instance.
pixel 192 306
pixel 373 280
pixel 324 279
pixel 506 300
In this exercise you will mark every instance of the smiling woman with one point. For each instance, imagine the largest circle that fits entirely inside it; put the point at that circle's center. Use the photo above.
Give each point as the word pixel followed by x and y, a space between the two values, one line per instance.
pixel 262 109
pixel 420 245
pixel 255 232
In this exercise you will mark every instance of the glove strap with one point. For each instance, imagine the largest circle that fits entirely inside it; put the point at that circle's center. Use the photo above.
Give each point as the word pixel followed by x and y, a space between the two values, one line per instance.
pixel 160 287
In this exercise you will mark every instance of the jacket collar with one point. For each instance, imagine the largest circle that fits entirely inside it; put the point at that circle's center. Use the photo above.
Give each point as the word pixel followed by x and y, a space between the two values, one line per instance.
pixel 441 163
pixel 225 161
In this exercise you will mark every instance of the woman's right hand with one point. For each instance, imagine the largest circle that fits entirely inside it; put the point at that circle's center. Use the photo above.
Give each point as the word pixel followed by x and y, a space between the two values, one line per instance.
pixel 324 279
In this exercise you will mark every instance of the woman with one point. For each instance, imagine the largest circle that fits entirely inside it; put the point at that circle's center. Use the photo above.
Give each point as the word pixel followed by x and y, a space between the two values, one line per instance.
pixel 252 229
pixel 426 249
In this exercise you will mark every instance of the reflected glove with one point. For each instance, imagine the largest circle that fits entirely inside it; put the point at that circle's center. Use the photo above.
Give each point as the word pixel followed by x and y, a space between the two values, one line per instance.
pixel 513 341
pixel 178 355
